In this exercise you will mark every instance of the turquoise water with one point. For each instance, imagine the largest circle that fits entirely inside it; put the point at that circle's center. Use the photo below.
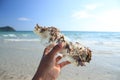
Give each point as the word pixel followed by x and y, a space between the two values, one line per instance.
pixel 103 41
pixel 72 35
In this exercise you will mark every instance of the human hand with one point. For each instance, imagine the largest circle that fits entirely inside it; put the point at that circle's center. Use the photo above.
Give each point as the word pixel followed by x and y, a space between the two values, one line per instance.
pixel 49 67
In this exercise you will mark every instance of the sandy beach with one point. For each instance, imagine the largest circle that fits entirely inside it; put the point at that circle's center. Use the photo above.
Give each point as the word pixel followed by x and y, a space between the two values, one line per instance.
pixel 19 61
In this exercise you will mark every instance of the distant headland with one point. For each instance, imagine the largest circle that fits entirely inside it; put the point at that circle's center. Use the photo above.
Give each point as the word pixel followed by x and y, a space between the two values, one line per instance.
pixel 6 28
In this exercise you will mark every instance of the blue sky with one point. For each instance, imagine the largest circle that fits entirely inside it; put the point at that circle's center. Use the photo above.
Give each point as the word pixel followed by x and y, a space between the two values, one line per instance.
pixel 80 15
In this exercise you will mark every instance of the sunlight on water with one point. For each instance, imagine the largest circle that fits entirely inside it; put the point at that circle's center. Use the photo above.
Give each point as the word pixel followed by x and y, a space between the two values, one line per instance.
pixel 94 40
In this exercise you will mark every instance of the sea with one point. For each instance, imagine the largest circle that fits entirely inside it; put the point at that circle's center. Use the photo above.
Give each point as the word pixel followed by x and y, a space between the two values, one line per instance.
pixel 21 52
pixel 108 42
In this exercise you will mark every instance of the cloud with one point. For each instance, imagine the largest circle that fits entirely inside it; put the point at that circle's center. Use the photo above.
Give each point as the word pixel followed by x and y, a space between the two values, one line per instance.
pixel 81 15
pixel 23 19
pixel 92 6
pixel 86 12
pixel 110 18
pixel 105 21
pixel 95 17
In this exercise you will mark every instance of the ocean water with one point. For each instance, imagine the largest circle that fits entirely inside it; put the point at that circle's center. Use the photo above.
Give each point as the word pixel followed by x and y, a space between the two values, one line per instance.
pixel 98 42
pixel 21 51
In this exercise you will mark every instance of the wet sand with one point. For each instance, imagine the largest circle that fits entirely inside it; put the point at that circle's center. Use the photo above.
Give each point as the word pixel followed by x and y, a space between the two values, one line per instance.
pixel 19 61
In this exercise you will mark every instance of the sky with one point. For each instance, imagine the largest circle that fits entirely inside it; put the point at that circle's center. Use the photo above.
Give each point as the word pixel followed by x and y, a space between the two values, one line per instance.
pixel 67 15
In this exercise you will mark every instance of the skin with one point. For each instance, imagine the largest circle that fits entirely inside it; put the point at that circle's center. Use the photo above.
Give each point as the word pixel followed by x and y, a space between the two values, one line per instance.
pixel 49 68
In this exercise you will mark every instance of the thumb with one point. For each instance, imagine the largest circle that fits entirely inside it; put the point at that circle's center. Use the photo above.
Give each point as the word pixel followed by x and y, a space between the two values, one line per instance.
pixel 62 64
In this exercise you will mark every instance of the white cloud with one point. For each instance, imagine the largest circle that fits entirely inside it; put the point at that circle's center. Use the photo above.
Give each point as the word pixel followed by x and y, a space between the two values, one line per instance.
pixel 100 19
pixel 109 20
pixel 111 16
pixel 86 12
pixel 23 19
pixel 105 21
pixel 81 14
pixel 92 6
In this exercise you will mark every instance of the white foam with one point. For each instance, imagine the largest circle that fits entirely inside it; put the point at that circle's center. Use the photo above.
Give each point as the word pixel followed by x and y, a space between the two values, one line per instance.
pixel 9 35
pixel 5 35
pixel 18 40
pixel 12 35
pixel 25 35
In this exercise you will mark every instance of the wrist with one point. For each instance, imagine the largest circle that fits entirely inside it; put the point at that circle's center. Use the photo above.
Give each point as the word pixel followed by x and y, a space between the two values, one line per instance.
pixel 43 77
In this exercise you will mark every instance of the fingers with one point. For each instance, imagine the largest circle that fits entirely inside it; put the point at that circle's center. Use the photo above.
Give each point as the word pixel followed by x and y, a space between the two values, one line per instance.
pixel 58 58
pixel 47 49
pixel 56 49
pixel 62 64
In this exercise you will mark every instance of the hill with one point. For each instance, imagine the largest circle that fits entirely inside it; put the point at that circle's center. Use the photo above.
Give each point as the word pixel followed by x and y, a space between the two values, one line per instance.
pixel 7 28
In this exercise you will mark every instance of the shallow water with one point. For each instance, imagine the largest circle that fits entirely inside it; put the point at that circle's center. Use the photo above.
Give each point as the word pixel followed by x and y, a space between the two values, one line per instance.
pixel 103 41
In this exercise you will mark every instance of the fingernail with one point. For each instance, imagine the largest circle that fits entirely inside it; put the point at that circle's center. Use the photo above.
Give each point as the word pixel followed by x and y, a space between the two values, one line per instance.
pixel 61 45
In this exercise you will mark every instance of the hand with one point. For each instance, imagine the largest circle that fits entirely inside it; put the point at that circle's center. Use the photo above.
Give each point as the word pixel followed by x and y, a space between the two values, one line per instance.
pixel 49 67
